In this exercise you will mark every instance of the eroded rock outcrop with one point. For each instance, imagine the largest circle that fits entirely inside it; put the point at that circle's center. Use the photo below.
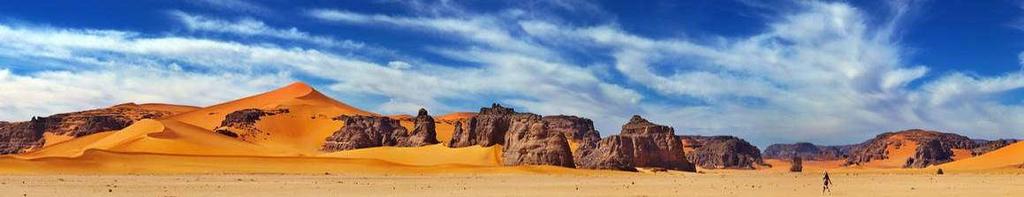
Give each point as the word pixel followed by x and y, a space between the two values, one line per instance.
pixel 364 132
pixel 722 152
pixel 932 147
pixel 929 152
pixel 530 141
pixel 611 153
pixel 985 146
pixel 527 139
pixel 806 151
pixel 376 131
pixel 639 144
pixel 18 137
pixel 241 124
pixel 424 131
pixel 574 128
pixel 487 128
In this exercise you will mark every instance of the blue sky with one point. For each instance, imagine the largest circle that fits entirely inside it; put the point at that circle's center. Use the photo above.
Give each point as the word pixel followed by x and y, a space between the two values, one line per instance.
pixel 830 72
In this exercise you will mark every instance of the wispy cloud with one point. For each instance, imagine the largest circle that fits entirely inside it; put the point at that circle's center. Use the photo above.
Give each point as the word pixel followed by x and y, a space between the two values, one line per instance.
pixel 253 27
pixel 816 73
pixel 234 5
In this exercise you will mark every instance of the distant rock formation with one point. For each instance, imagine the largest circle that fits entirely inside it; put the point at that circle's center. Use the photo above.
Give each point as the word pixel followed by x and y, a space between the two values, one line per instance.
pixel 18 137
pixel 241 124
pixel 932 147
pixel 722 152
pixel 376 131
pixel 985 146
pixel 929 152
pixel 639 144
pixel 806 151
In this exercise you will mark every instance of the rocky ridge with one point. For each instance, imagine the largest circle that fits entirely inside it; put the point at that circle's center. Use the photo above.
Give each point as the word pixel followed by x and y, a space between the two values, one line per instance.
pixel 806 151
pixel 933 147
pixel 375 131
pixel 722 152
pixel 18 137
pixel 241 124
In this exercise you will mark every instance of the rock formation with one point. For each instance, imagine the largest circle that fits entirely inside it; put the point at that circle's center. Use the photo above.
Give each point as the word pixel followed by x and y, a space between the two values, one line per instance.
pixel 423 132
pixel 985 146
pixel 487 128
pixel 530 141
pixel 574 128
pixel 364 132
pixel 375 131
pixel 722 152
pixel 611 153
pixel 932 147
pixel 806 151
pixel 18 137
pixel 241 124
pixel 929 152
pixel 797 165
pixel 527 139
pixel 639 144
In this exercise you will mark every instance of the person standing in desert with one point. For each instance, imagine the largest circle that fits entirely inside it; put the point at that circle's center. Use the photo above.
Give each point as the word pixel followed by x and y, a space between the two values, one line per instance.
pixel 826 183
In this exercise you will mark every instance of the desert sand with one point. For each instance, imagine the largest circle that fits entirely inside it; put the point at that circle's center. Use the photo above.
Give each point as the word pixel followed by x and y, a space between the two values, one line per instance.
pixel 597 184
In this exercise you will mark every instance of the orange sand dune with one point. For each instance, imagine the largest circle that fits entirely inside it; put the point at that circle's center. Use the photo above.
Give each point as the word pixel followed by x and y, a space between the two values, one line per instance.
pixel 444 131
pixel 401 117
pixel 456 116
pixel 152 136
pixel 296 94
pixel 1011 156
pixel 431 155
pixel 302 130
pixel 167 107
pixel 101 162
pixel 445 124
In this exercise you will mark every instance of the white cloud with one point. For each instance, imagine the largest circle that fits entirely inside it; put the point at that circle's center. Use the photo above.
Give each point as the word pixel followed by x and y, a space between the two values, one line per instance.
pixel 819 73
pixel 234 5
pixel 49 92
pixel 252 27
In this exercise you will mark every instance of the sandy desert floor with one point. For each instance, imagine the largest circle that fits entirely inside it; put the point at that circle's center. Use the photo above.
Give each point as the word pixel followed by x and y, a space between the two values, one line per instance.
pixel 671 184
